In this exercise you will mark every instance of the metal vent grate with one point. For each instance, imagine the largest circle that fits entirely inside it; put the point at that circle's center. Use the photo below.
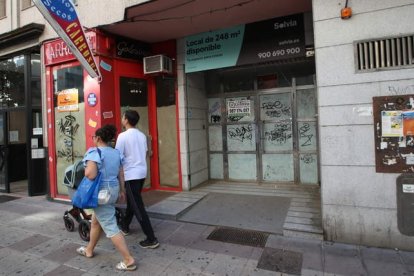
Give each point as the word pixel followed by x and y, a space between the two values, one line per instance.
pixel 385 53
pixel 239 236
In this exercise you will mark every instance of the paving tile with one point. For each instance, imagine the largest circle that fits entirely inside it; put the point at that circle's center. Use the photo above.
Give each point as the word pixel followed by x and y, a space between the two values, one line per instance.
pixel 106 269
pixel 148 269
pixel 21 209
pixel 29 242
pixel 379 254
pixel 8 259
pixel 165 229
pixel 185 235
pixel 223 248
pixel 178 268
pixel 383 268
pixel 7 217
pixel 346 264
pixel 281 260
pixel 12 235
pixel 342 259
pixel 64 270
pixel 226 265
pixel 310 272
pixel 195 260
pixel 47 247
pixel 250 269
pixel 34 267
pixel 63 253
pixel 311 250
pixel 407 257
pixel 86 264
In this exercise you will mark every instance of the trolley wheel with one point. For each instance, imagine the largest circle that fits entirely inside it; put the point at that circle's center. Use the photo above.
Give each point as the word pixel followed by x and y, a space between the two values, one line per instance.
pixel 84 230
pixel 69 223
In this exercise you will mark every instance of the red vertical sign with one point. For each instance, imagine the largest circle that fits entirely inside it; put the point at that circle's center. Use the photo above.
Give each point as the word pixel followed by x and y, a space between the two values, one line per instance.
pixel 61 15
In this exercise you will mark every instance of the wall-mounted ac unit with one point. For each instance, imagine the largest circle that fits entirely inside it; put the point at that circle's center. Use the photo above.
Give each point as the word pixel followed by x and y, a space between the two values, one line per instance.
pixel 157 64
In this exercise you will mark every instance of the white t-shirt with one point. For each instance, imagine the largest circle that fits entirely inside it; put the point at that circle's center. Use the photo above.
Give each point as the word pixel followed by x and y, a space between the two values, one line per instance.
pixel 132 144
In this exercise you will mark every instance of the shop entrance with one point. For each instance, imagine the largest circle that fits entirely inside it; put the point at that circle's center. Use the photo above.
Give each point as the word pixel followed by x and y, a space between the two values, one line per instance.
pixel 265 134
pixel 22 155
pixel 155 101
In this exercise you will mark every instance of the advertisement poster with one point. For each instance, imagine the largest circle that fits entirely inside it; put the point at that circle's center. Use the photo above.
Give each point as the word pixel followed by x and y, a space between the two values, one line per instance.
pixel 238 108
pixel 392 123
pixel 67 100
pixel 269 40
pixel 408 123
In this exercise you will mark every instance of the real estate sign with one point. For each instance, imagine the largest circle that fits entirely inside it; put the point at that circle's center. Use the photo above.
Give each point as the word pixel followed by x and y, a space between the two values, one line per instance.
pixel 264 41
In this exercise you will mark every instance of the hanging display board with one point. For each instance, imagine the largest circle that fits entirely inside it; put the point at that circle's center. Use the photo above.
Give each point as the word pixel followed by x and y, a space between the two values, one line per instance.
pixel 394 133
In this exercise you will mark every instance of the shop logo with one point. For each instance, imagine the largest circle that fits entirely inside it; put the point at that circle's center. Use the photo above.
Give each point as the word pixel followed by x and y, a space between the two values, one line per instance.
pixel 285 24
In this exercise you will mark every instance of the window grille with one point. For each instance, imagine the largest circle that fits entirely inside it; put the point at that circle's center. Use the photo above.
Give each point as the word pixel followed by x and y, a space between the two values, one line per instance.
pixel 386 53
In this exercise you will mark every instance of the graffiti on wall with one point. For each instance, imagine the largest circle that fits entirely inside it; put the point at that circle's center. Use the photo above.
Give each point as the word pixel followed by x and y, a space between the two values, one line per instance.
pixel 241 133
pixel 67 128
pixel 280 134
pixel 275 109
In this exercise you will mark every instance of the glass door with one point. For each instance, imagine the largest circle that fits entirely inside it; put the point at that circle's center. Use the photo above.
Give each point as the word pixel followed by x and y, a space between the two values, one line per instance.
pixel 4 183
pixel 134 95
pixel 277 137
pixel 69 116
pixel 241 139
pixel 167 133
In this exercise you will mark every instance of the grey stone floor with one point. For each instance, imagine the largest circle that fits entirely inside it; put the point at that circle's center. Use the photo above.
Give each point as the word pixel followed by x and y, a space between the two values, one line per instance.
pixel 34 242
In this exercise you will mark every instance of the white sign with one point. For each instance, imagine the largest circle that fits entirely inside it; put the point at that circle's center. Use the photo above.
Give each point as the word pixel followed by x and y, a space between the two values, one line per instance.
pixel 408 188
pixel 238 108
pixel 38 153
pixel 14 136
pixel 37 131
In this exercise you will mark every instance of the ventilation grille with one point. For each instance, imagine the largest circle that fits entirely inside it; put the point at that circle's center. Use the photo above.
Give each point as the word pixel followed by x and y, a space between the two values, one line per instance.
pixel 385 53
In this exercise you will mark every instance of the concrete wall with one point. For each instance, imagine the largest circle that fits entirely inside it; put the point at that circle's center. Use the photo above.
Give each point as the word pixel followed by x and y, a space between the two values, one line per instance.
pixel 358 204
pixel 192 101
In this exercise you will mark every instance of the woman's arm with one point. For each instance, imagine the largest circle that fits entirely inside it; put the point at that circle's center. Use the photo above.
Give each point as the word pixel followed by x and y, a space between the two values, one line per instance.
pixel 91 169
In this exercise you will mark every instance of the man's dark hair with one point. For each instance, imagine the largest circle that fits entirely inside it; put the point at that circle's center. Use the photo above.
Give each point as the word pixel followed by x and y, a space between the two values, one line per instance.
pixel 132 116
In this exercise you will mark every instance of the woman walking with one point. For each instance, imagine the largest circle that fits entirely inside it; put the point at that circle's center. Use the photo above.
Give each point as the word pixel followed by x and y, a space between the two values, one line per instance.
pixel 107 160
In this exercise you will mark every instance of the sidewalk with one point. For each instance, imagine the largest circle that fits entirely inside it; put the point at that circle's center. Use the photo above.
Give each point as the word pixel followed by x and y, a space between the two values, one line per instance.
pixel 34 242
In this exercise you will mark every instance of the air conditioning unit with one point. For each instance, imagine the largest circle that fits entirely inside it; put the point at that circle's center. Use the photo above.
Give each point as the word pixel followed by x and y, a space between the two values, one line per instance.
pixel 157 64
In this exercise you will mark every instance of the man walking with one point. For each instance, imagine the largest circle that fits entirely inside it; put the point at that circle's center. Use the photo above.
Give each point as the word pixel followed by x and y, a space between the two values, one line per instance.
pixel 132 144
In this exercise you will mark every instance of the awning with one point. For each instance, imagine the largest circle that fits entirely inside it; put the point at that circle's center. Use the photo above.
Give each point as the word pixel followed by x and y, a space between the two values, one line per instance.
pixel 21 35
pixel 162 20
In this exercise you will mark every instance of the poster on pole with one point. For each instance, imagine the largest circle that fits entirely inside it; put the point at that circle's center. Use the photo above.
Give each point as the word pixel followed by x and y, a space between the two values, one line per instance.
pixel 62 16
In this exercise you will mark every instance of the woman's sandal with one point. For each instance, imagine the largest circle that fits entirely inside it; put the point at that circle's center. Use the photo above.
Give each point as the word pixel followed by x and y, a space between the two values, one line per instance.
pixel 82 251
pixel 123 267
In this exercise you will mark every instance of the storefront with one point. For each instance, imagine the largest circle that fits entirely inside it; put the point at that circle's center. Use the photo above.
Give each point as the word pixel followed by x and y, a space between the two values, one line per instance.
pixel 77 105
pixel 22 152
pixel 259 82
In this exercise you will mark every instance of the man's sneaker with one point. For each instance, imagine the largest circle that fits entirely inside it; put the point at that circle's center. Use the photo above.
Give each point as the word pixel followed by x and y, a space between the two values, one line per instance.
pixel 149 244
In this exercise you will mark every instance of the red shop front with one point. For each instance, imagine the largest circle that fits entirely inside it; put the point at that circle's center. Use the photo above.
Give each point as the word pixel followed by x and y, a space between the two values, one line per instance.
pixel 77 105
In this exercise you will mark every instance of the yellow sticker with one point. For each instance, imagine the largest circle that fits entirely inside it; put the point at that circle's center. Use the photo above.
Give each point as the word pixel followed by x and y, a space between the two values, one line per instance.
pixel 92 123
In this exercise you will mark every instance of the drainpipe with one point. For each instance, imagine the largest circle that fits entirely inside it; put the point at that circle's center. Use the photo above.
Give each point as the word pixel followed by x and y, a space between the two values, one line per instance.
pixel 18 11
pixel 187 130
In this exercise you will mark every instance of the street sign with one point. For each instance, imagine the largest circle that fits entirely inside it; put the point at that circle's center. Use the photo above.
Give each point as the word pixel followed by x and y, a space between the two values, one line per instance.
pixel 62 16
